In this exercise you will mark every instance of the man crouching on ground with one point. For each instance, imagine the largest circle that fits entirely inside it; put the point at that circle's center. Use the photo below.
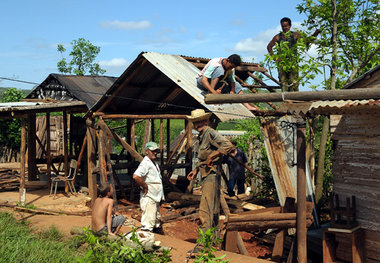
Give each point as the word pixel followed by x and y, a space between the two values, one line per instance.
pixel 148 177
pixel 212 147
pixel 103 220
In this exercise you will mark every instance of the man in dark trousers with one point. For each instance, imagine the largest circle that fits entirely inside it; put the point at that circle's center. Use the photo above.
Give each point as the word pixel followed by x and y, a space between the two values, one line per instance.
pixel 236 170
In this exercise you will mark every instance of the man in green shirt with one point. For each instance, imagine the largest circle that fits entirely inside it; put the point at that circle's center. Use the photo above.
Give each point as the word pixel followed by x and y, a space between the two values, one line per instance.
pixel 212 147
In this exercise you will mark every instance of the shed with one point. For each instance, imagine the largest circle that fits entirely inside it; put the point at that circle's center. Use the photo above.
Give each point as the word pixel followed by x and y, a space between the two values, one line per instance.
pixel 355 131
pixel 60 87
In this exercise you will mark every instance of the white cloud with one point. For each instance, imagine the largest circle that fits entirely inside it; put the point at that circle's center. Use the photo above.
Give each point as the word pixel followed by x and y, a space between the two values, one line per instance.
pixel 257 45
pixel 115 62
pixel 130 25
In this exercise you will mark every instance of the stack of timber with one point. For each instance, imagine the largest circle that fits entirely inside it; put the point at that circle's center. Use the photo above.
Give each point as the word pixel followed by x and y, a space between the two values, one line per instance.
pixel 9 179
pixel 267 218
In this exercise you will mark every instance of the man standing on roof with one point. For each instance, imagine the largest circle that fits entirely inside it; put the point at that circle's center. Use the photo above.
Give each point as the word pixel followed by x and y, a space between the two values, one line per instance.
pixel 289 76
pixel 212 147
pixel 148 177
pixel 218 76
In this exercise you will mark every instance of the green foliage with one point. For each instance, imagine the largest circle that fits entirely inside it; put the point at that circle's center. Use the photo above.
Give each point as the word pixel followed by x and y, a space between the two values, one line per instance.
pixel 358 34
pixel 102 250
pixel 83 55
pixel 293 58
pixel 10 130
pixel 207 242
pixel 18 244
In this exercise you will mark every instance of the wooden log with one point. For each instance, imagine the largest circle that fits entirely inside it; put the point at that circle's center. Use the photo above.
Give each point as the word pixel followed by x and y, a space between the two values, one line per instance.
pixel 347 94
pixel 237 203
pixel 91 159
pixel 65 150
pixel 263 225
pixel 265 217
pixel 182 203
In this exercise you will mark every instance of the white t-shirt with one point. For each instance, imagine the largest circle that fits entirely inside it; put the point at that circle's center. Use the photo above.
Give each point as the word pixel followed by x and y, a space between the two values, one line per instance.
pixel 151 174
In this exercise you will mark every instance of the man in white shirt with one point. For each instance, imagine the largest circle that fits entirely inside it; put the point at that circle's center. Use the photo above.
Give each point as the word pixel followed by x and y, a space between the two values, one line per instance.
pixel 148 177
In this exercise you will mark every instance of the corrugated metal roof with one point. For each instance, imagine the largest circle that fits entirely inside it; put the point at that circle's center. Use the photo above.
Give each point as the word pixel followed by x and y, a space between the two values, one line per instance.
pixel 162 83
pixel 16 109
pixel 72 87
pixel 331 107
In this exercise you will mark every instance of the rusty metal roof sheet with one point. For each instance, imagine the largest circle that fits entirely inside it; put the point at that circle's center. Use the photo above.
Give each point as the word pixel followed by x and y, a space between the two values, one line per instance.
pixel 331 107
pixel 72 87
pixel 162 83
pixel 367 77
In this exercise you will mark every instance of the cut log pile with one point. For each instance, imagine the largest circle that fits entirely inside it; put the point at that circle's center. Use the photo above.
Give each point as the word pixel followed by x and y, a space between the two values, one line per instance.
pixel 9 179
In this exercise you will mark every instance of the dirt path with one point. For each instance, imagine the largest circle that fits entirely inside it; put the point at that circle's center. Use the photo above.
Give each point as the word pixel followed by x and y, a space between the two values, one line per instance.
pixel 177 235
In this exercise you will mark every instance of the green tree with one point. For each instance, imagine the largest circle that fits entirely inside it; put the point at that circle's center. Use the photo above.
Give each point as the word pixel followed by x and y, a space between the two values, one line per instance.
pixel 11 129
pixel 83 55
pixel 349 46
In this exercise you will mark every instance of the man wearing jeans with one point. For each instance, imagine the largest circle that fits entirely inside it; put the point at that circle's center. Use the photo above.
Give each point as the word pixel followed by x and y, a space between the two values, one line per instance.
pixel 236 170
pixel 148 177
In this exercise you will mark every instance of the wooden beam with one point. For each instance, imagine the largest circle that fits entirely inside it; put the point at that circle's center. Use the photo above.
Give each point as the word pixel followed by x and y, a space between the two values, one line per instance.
pixel 254 91
pixel 139 116
pixel 355 94
pixel 167 138
pixel 261 82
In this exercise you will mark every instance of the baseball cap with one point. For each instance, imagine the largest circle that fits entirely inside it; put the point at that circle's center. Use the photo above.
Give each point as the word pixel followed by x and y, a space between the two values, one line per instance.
pixel 151 146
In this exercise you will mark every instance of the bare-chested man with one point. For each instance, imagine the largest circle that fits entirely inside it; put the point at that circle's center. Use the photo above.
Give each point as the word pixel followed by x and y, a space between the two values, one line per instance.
pixel 103 221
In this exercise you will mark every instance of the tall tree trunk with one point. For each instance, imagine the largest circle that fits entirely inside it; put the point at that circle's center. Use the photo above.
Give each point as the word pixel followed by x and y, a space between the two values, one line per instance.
pixel 325 128
pixel 321 160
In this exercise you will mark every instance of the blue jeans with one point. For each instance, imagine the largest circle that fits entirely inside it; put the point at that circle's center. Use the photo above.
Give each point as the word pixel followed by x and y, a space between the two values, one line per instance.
pixel 231 186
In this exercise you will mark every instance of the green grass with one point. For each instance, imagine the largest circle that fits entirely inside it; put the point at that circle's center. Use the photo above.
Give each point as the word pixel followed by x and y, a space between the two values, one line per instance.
pixel 19 244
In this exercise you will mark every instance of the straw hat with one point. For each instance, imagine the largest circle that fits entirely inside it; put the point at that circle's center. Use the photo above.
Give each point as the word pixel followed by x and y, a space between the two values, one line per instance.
pixel 198 115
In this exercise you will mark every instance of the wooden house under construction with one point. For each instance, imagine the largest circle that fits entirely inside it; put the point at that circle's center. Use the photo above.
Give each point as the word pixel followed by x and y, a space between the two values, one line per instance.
pixel 154 87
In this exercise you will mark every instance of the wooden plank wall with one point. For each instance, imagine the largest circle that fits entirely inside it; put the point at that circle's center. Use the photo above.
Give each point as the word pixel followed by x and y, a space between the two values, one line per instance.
pixel 356 170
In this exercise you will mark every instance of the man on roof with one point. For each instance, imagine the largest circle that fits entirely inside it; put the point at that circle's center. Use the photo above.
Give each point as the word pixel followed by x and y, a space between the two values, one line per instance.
pixel 218 77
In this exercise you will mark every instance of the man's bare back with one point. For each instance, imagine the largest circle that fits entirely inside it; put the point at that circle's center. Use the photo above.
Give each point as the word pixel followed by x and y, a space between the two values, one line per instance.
pixel 100 211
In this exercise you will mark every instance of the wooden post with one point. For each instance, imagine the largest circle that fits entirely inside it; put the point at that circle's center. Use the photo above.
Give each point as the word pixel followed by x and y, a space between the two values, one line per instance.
pixel 22 162
pixel 189 145
pixel 301 192
pixel 152 131
pixel 101 157
pixel 91 159
pixel 133 127
pixel 32 171
pixel 48 149
pixel 65 149
pixel 146 135
pixel 167 138
pixel 162 141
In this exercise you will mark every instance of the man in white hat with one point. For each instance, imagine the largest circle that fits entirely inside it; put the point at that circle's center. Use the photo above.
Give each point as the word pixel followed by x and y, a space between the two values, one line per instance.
pixel 148 177
pixel 212 147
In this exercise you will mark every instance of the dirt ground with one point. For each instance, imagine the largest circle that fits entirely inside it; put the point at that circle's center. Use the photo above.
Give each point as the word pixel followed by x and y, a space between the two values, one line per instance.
pixel 180 235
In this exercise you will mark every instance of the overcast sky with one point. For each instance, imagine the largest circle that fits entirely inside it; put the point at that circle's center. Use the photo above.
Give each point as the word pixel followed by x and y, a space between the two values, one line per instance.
pixel 31 30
